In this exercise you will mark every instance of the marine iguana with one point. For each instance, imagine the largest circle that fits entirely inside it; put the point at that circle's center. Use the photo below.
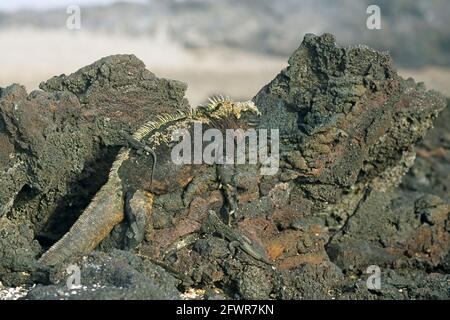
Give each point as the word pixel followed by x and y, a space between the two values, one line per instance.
pixel 120 198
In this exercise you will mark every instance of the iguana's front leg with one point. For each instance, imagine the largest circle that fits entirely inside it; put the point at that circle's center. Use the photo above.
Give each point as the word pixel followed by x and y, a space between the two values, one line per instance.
pixel 141 148
pixel 227 177
pixel 138 209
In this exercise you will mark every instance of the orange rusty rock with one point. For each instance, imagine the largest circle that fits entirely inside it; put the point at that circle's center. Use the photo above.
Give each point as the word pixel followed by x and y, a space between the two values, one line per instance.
pixel 257 229
pixel 317 230
pixel 185 176
pixel 215 199
pixel 420 240
pixel 431 243
pixel 248 196
pixel 395 251
pixel 165 237
pixel 286 215
pixel 438 152
pixel 53 108
pixel 198 209
pixel 284 243
pixel 316 171
pixel 167 178
pixel 274 251
pixel 440 246
pixel 199 206
pixel 260 227
pixel 295 261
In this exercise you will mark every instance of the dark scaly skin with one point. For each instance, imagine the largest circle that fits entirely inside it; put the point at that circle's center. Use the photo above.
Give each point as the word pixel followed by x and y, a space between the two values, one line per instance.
pixel 107 209
pixel 96 222
pixel 104 212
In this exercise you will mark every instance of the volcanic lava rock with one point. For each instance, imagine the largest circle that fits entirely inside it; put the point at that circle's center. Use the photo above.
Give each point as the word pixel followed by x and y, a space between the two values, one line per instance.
pixel 348 125
pixel 57 144
pixel 406 231
pixel 116 275
pixel 431 171
pixel 345 118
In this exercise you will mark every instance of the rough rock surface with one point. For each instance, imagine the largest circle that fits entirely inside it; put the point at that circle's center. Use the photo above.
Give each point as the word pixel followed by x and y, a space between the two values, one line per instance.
pixel 346 118
pixel 57 144
pixel 348 126
pixel 117 275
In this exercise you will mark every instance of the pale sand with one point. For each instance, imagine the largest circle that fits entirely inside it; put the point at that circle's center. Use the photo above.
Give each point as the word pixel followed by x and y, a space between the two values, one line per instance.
pixel 434 78
pixel 12 293
pixel 30 56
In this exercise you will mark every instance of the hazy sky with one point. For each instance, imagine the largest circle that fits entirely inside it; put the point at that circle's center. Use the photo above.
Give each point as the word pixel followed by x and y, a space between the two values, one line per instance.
pixel 10 5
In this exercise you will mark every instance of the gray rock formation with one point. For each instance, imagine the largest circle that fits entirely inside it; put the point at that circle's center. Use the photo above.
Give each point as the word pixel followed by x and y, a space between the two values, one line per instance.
pixel 348 124
pixel 57 143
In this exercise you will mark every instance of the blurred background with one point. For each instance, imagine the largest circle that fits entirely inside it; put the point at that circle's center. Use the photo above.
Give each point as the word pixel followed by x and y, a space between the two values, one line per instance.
pixel 231 47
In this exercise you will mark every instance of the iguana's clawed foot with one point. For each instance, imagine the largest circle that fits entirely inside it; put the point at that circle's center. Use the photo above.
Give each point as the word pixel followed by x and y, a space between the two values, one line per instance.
pixel 140 148
pixel 233 246
pixel 132 143
pixel 231 203
pixel 226 175
pixel 138 207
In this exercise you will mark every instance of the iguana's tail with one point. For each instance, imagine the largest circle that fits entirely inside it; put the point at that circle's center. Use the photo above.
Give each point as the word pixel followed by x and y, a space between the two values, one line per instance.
pixel 103 213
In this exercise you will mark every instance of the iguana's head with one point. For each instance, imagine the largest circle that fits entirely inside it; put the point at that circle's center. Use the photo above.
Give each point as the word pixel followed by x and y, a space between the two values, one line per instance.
pixel 230 114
